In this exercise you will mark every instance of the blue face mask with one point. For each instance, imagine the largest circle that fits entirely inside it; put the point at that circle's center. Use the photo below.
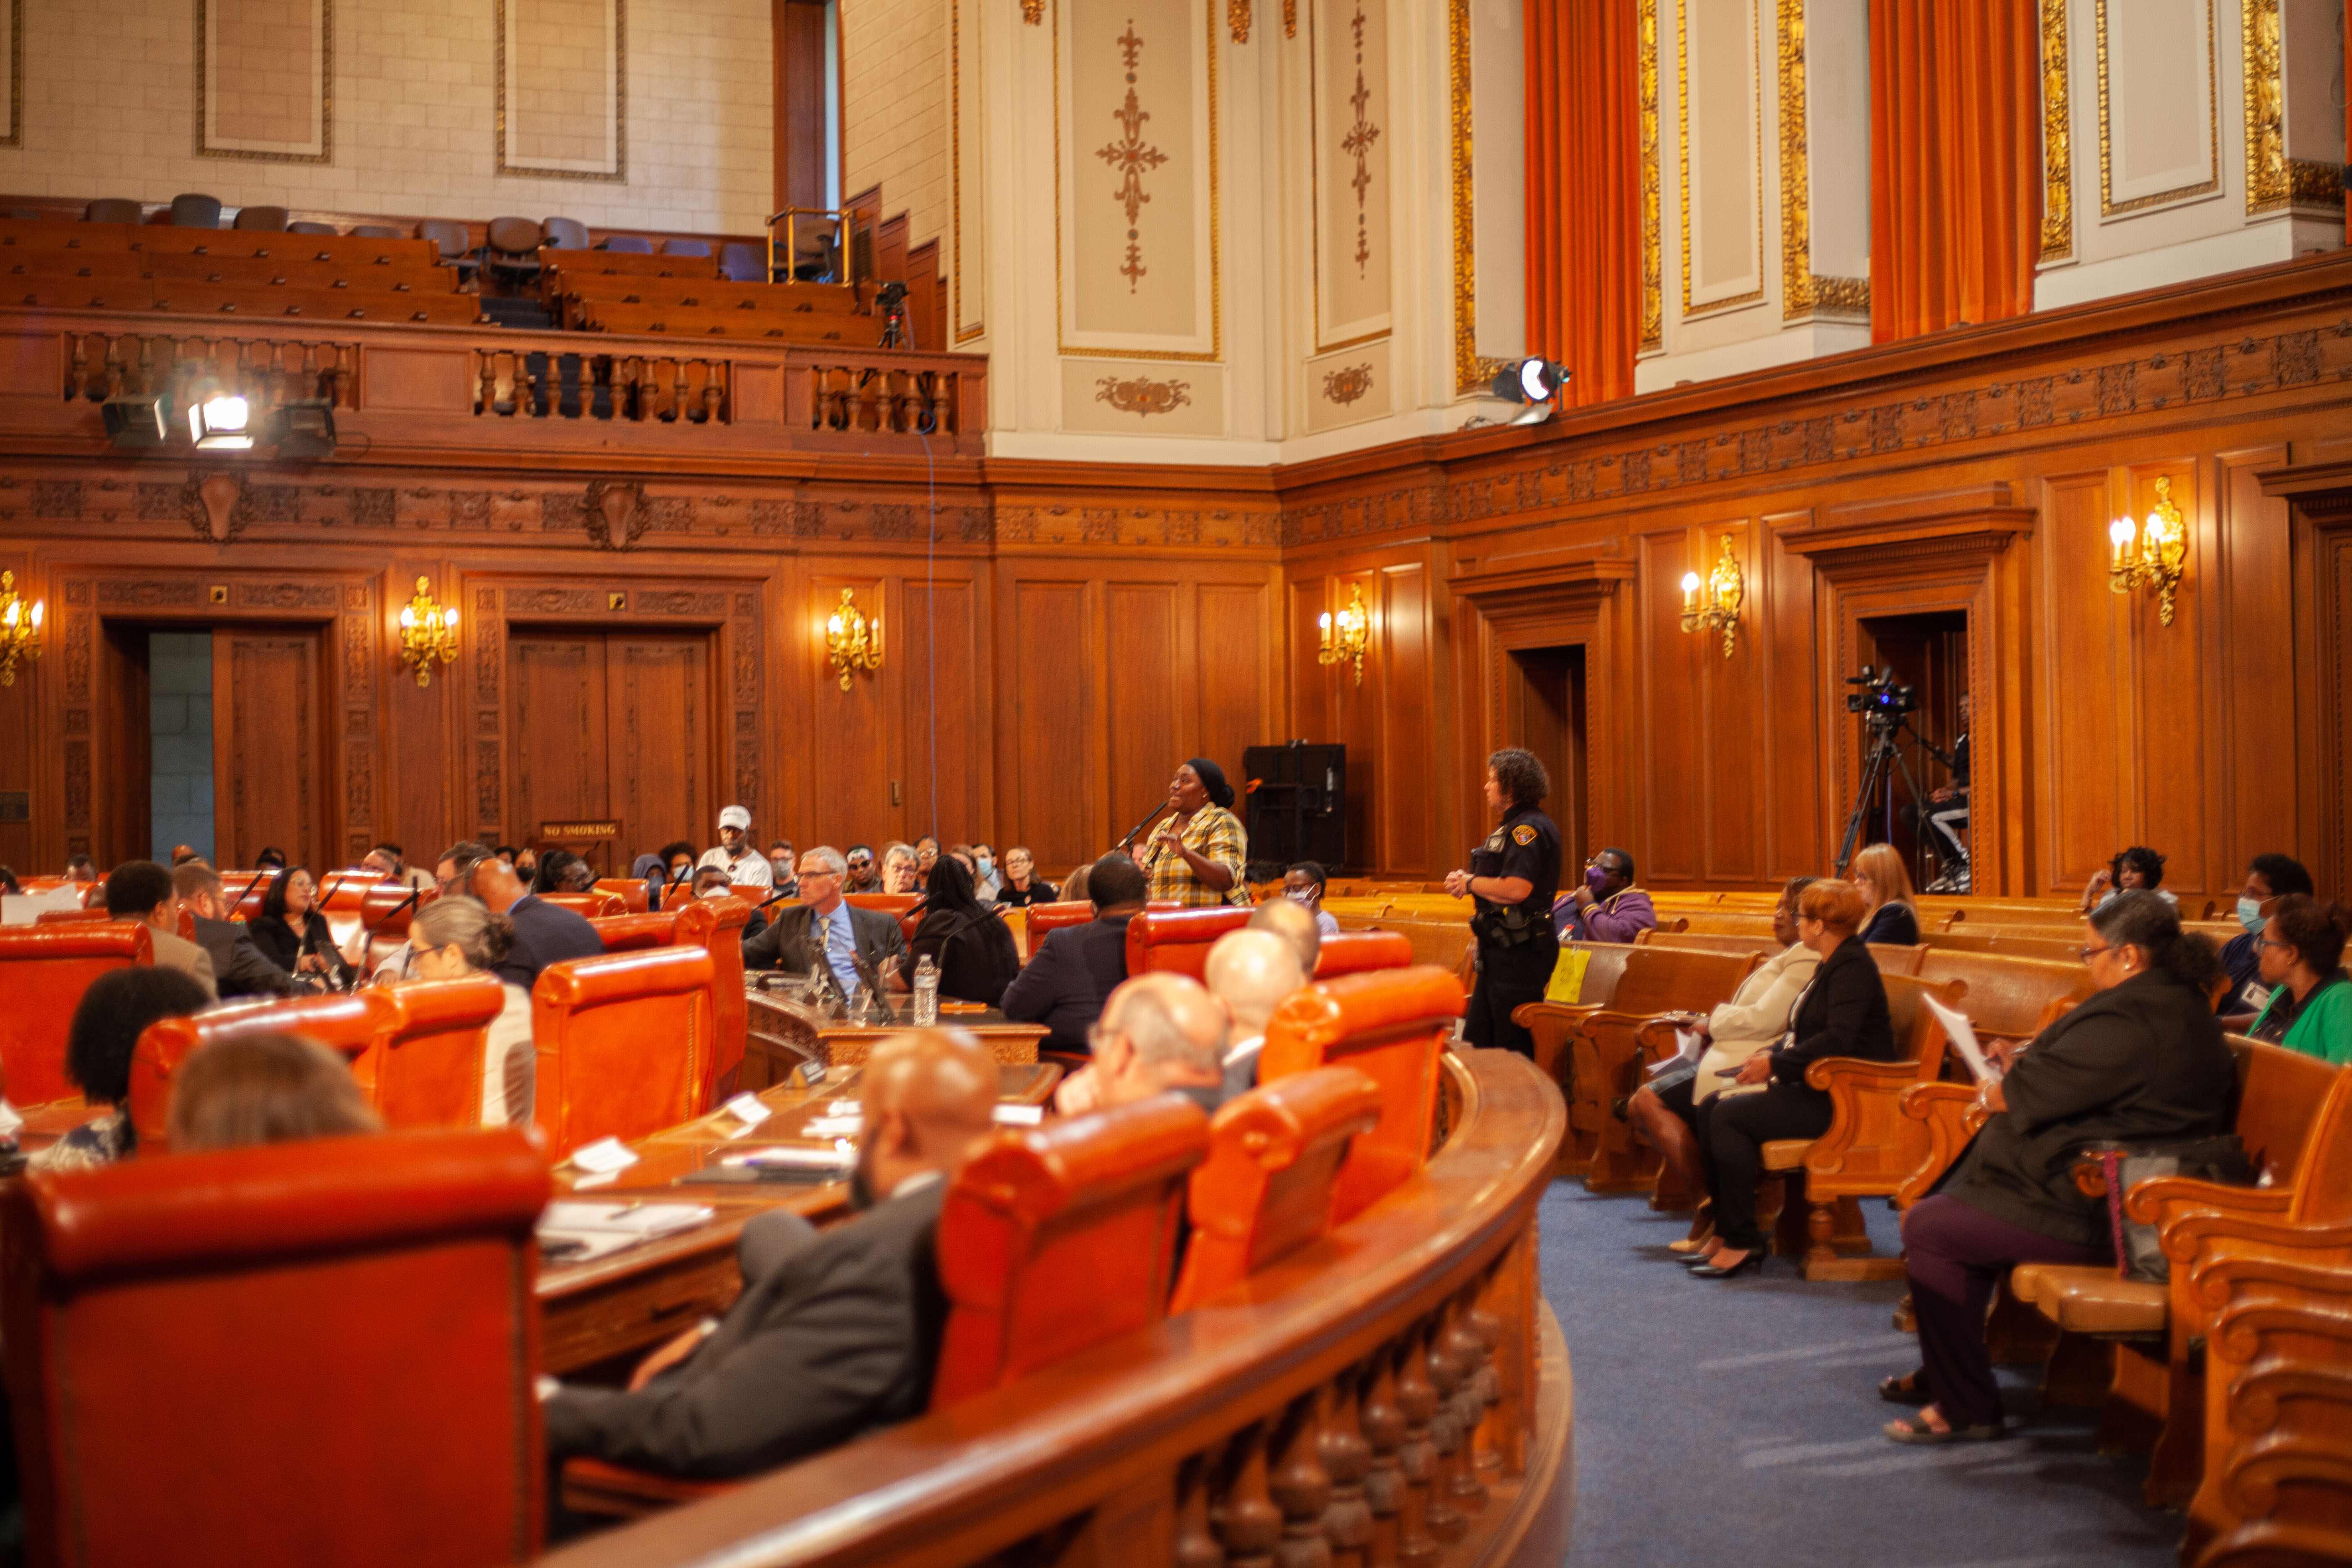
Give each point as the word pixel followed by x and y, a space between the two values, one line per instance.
pixel 986 864
pixel 2250 915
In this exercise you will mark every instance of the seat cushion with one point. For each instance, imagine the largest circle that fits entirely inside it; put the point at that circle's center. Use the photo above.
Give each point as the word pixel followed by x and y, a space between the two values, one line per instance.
pixel 2090 1300
pixel 1783 1155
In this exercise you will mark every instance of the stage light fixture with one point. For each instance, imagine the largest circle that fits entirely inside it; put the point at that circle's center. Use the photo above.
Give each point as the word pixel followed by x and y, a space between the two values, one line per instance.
pixel 221 423
pixel 306 430
pixel 1536 381
pixel 138 421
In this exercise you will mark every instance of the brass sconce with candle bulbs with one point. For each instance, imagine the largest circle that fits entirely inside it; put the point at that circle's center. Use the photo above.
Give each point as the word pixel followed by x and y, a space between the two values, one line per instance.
pixel 2158 558
pixel 1724 589
pixel 1348 635
pixel 852 642
pixel 20 628
pixel 429 633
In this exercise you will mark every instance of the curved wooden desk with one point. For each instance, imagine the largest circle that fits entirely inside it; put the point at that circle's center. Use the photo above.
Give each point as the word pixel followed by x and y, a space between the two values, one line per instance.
pixel 1397 1392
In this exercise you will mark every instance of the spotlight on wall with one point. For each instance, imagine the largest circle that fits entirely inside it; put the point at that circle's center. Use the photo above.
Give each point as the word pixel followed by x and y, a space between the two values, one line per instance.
pixel 221 423
pixel 138 421
pixel 1535 383
pixel 307 429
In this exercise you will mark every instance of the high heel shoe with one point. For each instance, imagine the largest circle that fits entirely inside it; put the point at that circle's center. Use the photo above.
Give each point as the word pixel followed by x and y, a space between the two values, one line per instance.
pixel 1689 1245
pixel 1753 1261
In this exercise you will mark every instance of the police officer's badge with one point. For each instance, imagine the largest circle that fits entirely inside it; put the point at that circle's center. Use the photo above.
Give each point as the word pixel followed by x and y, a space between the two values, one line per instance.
pixel 1523 834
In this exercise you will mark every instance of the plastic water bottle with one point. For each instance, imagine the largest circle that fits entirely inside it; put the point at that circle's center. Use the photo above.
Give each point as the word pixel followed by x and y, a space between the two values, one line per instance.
pixel 927 992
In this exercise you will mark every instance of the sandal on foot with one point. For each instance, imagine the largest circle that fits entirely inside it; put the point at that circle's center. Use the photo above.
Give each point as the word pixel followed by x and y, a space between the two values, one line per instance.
pixel 1904 1432
pixel 1903 1390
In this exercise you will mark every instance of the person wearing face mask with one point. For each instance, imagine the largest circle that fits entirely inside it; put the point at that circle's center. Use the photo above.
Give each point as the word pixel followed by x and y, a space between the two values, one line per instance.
pixel 1606 906
pixel 1511 881
pixel 986 880
pixel 781 861
pixel 833 1334
pixel 2269 878
pixel 1303 885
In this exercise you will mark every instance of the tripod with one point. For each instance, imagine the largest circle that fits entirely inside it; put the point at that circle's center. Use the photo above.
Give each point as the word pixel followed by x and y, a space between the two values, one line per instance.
pixel 1884 750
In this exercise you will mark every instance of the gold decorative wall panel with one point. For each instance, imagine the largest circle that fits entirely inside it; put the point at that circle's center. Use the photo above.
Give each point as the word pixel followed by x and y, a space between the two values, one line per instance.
pixel 2273 180
pixel 265 80
pixel 2057 137
pixel 1653 289
pixel 563 71
pixel 2121 191
pixel 1728 173
pixel 1350 171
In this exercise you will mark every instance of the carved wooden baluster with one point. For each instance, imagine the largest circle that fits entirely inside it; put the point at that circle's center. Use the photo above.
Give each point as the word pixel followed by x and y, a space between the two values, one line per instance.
pixel 1244 1518
pixel 1347 1456
pixel 1384 1487
pixel 339 382
pixel 1445 1434
pixel 1416 1458
pixel 1300 1486
pixel 1196 1543
pixel 714 389
pixel 1468 1354
pixel 1488 1387
pixel 113 366
pixel 677 390
pixel 624 390
pixel 146 365
pixel 78 371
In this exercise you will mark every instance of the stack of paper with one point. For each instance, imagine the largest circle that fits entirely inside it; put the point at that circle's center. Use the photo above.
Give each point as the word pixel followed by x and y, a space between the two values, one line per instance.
pixel 577 1232
pixel 1688 1048
pixel 1963 1035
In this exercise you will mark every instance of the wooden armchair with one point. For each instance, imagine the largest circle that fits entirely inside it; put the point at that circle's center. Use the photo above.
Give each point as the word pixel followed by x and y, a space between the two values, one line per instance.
pixel 1177 941
pixel 1391 1024
pixel 44 970
pixel 624 1045
pixel 1266 1188
pixel 1058 1238
pixel 230 1356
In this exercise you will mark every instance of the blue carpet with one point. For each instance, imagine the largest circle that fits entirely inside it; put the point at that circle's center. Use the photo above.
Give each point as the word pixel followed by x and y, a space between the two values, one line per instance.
pixel 1736 1423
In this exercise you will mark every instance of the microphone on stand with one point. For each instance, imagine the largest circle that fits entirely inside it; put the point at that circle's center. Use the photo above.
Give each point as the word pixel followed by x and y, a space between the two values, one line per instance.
pixel 1150 818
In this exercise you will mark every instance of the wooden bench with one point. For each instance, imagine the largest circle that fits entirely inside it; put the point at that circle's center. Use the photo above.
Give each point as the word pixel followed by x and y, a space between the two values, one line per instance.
pixel 2010 999
pixel 624 1042
pixel 191 298
pixel 576 264
pixel 686 320
pixel 579 293
pixel 250 1344
pixel 169 269
pixel 2054 950
pixel 44 970
pixel 47 266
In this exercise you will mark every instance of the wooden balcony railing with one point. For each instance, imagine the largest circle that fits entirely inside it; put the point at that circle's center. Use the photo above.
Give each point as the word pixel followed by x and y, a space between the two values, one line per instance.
pixel 418 388
pixel 1397 1394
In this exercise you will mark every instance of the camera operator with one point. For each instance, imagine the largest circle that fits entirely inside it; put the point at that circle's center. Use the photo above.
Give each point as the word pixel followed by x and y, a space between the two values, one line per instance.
pixel 1947 813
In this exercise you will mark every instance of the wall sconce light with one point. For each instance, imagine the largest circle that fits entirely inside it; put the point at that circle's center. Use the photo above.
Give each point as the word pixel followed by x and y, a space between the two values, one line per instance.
pixel 428 632
pixel 1725 588
pixel 852 642
pixel 221 422
pixel 2158 558
pixel 20 628
pixel 1347 637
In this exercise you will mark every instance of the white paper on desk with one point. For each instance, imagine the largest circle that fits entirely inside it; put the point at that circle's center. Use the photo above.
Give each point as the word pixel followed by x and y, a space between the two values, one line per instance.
pixel 748 1108
pixel 1688 1048
pixel 643 1221
pixel 26 909
pixel 605 1154
pixel 1963 1035
pixel 1019 1115
pixel 792 1159
pixel 845 1107
pixel 833 1127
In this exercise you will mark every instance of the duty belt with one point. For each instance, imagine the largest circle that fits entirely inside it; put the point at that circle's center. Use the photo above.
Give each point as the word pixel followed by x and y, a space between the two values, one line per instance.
pixel 1507 927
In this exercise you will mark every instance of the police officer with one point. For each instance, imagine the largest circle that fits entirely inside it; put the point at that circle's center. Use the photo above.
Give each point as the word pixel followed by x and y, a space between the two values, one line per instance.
pixel 1513 878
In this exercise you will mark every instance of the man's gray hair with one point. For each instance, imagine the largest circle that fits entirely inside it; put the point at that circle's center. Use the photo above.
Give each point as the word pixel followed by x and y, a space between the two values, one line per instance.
pixel 824 859
pixel 1144 1018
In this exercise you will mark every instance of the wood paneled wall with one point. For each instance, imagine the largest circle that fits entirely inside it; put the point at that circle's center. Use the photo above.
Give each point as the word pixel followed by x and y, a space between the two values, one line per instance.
pixel 1059 636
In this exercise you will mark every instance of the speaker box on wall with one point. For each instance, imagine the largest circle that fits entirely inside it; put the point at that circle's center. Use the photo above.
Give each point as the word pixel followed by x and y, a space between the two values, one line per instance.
pixel 1297 806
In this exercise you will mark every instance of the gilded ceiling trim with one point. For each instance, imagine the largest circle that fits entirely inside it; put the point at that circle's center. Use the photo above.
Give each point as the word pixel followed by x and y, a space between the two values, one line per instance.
pixel 2108 205
pixel 2057 145
pixel 1470 372
pixel 1653 291
pixel 1681 99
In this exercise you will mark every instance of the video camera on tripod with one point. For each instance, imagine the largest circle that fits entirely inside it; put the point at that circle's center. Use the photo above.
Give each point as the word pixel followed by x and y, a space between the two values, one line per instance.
pixel 1884 701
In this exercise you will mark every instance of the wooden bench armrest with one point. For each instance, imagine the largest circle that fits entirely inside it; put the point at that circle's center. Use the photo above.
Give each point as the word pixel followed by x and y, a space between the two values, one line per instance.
pixel 2167 1198
pixel 1526 1013
pixel 595 1486
pixel 2213 1280
pixel 1638 1022
pixel 1856 1075
pixel 1953 1116
pixel 2321 1245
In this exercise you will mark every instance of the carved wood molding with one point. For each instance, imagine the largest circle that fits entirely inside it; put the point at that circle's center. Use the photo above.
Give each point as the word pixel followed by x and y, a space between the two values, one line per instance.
pixel 1975 534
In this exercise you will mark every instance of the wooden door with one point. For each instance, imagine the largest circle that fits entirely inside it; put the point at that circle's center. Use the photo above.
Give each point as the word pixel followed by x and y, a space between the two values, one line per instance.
pixel 269 740
pixel 556 732
pixel 1550 700
pixel 612 727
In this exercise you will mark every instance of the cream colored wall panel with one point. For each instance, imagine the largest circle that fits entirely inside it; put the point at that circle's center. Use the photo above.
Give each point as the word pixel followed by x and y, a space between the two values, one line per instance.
pixel 898 66
pixel 1349 386
pixel 262 72
pixel 1498 165
pixel 563 88
pixel 12 73
pixel 1722 167
pixel 1837 135
pixel 1137 214
pixel 2159 104
pixel 1124 397
pixel 967 256
pixel 1353 244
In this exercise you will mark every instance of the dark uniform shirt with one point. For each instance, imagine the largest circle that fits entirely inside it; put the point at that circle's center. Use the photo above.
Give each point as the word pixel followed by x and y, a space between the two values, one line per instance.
pixel 1526 845
pixel 1517 945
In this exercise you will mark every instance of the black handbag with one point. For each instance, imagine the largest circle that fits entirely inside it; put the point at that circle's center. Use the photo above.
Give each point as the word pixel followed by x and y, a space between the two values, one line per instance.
pixel 2139 1254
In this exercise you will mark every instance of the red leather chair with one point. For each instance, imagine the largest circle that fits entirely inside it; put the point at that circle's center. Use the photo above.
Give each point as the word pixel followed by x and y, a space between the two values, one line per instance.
pixel 888 904
pixel 1061 1238
pixel 352 1024
pixel 300 1354
pixel 426 1070
pixel 1177 941
pixel 717 925
pixel 592 905
pixel 630 890
pixel 343 898
pixel 72 916
pixel 384 913
pixel 1391 1024
pixel 1266 1188
pixel 44 970
pixel 1354 952
pixel 624 1045
pixel 1045 919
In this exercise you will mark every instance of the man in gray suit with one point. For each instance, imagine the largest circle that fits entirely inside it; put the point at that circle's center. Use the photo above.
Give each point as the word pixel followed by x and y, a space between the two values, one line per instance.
pixel 823 927
pixel 141 891
pixel 833 1334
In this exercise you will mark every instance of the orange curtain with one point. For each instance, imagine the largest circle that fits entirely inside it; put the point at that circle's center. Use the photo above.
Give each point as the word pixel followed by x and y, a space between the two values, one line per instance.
pixel 1955 163
pixel 1584 192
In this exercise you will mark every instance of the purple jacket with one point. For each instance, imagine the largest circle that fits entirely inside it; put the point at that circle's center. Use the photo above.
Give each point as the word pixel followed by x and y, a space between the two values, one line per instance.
pixel 1614 919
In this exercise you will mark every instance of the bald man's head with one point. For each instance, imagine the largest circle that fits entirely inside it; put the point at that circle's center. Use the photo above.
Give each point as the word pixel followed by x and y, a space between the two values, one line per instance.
pixel 1251 972
pixel 1162 1030
pixel 928 1100
pixel 1294 923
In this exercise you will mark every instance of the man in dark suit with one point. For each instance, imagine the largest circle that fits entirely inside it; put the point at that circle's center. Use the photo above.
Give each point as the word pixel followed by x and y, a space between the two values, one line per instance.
pixel 238 967
pixel 833 1334
pixel 846 938
pixel 1067 979
pixel 544 933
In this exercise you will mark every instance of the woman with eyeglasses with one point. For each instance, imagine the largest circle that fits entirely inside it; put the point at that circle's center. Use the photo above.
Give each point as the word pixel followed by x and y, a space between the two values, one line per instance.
pixel 292 930
pixel 2310 1008
pixel 2142 1060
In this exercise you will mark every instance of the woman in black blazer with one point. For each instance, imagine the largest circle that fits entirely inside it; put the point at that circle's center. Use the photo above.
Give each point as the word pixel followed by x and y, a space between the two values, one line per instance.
pixel 292 933
pixel 2142 1060
pixel 1841 1013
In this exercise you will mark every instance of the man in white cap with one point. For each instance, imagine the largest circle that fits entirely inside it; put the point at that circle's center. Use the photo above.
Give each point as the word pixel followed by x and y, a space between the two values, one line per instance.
pixel 735 853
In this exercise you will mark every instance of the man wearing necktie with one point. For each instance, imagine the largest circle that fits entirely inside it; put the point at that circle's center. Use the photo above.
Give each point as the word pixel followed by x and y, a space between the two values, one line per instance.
pixel 826 925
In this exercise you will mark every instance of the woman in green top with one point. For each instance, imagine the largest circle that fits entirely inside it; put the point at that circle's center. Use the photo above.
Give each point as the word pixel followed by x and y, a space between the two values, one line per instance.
pixel 2310 1009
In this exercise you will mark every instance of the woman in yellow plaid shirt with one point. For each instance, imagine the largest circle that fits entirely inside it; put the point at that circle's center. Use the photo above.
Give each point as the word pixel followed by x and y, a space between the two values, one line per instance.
pixel 1196 857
